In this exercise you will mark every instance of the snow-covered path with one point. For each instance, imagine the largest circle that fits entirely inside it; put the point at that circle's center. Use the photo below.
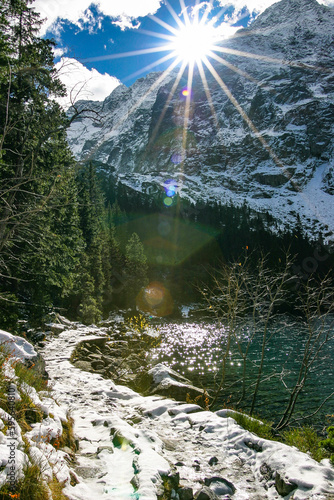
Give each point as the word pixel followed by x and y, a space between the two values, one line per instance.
pixel 130 445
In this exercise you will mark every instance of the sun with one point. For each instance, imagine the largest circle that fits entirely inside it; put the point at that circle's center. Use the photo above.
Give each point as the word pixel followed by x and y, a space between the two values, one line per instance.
pixel 193 42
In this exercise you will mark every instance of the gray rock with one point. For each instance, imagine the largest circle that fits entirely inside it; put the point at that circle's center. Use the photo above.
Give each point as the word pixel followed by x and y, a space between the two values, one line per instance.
pixel 205 494
pixel 55 328
pixel 83 365
pixel 91 344
pixel 266 472
pixel 135 482
pixel 97 365
pixel 87 472
pixel 109 448
pixel 284 486
pixel 180 392
pixel 135 465
pixel 114 353
pixel 66 322
pixel 164 381
pixel 253 446
pixel 92 356
pixel 69 452
pixel 85 351
pixel 37 364
pixel 220 485
pixel 185 493
pixel 108 359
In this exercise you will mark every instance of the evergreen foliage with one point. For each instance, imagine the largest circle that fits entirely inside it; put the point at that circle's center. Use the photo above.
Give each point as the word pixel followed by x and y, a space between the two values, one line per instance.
pixel 54 251
pixel 40 240
pixel 328 444
pixel 64 241
pixel 135 268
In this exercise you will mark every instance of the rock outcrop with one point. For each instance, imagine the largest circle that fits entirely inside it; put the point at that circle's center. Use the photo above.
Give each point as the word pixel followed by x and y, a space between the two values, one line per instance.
pixel 269 141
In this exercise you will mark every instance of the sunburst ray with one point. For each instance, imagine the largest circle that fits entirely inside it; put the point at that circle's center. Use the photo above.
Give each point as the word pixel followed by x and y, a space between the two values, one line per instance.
pixel 132 53
pixel 169 98
pixel 208 93
pixel 150 66
pixel 215 50
pixel 246 118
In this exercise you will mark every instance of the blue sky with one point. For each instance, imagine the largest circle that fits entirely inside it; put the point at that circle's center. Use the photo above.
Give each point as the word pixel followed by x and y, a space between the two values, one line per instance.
pixel 92 37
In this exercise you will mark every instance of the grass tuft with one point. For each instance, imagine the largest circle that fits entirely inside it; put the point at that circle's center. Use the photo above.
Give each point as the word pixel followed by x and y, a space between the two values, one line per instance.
pixel 306 440
pixel 30 487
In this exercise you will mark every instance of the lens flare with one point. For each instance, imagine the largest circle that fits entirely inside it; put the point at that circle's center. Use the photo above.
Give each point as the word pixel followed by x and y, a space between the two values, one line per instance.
pixel 176 158
pixel 192 43
pixel 164 228
pixel 170 189
pixel 155 299
pixel 168 202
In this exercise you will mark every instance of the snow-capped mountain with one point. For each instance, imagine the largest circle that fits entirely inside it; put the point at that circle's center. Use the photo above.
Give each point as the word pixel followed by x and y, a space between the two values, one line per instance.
pixel 261 131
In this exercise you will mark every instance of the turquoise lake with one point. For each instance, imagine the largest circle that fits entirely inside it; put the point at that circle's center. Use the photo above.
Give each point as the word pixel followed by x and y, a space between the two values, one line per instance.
pixel 195 349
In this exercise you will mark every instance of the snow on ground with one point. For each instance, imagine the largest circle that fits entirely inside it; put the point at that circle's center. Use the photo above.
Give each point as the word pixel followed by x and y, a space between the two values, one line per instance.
pixel 129 442
pixel 15 456
pixel 17 346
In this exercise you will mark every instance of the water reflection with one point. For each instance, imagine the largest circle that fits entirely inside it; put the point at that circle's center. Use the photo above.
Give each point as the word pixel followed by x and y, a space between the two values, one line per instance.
pixel 196 351
pixel 191 347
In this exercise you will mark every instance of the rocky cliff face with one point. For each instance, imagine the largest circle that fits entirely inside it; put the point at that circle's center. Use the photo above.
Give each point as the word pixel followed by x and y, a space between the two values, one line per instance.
pixel 266 137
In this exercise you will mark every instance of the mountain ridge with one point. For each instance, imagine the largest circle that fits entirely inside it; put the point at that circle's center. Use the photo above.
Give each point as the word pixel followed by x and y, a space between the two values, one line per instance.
pixel 269 140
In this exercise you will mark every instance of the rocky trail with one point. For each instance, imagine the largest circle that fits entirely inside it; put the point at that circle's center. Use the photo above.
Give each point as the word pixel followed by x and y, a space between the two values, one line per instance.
pixel 131 446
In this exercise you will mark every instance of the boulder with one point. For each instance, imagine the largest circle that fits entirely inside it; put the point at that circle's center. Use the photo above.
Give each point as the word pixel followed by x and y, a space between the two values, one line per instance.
pixel 180 392
pixel 93 343
pixel 55 328
pixel 164 381
pixel 66 322
pixel 185 493
pixel 93 356
pixel 98 365
pixel 21 349
pixel 205 494
pixel 220 486
pixel 135 482
pixel 109 448
pixel 284 486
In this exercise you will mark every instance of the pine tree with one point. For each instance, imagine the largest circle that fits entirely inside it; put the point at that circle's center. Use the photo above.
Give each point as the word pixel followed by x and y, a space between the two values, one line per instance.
pixel 39 235
pixel 103 259
pixel 50 260
pixel 136 269
pixel 118 220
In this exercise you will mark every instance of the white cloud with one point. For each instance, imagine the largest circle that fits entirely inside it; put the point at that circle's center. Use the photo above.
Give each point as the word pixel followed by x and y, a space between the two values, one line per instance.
pixel 260 5
pixel 74 10
pixel 257 5
pixel 125 10
pixel 59 51
pixel 125 22
pixel 82 83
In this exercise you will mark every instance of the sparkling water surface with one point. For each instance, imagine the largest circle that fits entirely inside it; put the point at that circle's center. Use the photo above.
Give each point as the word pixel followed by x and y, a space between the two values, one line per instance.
pixel 196 351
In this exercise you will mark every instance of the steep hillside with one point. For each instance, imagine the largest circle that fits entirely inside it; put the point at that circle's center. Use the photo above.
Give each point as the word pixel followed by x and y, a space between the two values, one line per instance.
pixel 266 137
